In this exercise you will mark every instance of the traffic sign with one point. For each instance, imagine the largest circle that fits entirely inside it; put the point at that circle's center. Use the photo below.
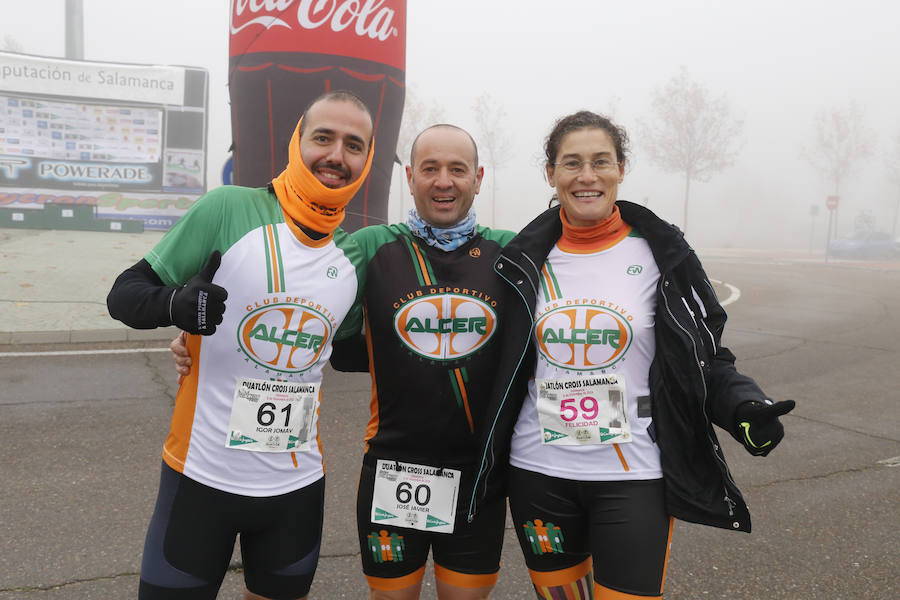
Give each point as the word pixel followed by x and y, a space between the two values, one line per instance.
pixel 228 171
pixel 831 202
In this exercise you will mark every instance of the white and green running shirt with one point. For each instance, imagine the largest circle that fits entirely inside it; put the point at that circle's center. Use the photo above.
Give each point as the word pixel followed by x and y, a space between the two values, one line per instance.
pixel 287 298
pixel 587 415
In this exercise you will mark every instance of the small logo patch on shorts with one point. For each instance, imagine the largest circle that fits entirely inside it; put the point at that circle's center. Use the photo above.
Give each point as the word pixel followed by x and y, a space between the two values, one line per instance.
pixel 386 547
pixel 545 538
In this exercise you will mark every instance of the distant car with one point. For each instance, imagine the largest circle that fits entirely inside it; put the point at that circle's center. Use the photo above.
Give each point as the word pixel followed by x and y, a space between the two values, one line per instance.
pixel 866 244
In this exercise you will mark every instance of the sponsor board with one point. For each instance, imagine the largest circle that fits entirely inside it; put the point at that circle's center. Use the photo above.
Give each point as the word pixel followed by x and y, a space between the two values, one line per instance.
pixel 158 211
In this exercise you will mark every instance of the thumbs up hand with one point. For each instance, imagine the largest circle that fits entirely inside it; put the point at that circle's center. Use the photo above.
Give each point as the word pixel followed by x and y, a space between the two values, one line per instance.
pixel 758 425
pixel 197 307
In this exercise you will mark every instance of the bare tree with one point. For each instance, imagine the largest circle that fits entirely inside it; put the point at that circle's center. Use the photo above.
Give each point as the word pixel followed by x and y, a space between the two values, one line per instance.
pixel 613 104
pixel 839 139
pixel 690 131
pixel 11 44
pixel 490 116
pixel 417 115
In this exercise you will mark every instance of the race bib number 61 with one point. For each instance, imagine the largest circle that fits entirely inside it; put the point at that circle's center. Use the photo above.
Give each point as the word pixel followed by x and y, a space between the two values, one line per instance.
pixel 273 416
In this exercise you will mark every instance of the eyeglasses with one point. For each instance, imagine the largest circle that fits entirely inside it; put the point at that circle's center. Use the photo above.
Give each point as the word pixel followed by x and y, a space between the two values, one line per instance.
pixel 601 165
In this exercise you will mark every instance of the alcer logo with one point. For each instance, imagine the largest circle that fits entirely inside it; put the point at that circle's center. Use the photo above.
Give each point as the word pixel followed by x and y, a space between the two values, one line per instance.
pixel 445 326
pixel 284 337
pixel 581 338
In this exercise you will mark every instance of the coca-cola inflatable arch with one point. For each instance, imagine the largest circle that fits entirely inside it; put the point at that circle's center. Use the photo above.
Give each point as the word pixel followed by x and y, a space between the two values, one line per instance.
pixel 284 53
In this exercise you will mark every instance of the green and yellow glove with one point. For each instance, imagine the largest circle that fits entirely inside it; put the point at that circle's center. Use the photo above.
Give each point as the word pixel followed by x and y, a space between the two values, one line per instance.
pixel 758 426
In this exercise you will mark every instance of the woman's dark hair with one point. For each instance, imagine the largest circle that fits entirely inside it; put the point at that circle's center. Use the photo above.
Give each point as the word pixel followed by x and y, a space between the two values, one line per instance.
pixel 585 119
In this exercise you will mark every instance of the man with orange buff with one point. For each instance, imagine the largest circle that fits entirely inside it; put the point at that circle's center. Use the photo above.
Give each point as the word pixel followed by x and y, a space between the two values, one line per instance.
pixel 261 279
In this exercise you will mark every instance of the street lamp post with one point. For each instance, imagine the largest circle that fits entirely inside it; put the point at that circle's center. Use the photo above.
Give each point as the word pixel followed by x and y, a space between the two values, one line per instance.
pixel 74 30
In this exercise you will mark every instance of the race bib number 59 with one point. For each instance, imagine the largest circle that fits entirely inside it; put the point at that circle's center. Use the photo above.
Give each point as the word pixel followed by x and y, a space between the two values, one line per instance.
pixel 273 416
pixel 583 410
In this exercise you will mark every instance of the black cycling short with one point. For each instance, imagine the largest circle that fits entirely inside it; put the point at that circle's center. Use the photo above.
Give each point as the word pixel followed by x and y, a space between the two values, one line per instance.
pixel 622 525
pixel 191 539
pixel 469 557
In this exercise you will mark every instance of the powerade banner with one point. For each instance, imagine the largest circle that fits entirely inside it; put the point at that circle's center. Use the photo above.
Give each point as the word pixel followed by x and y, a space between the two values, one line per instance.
pixel 86 129
pixel 285 53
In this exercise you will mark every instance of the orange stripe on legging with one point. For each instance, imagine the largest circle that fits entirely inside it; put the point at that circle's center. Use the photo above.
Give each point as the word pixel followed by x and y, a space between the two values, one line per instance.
pixel 561 577
pixel 662 584
pixel 422 265
pixel 465 399
pixel 383 584
pixel 465 580
pixel 621 457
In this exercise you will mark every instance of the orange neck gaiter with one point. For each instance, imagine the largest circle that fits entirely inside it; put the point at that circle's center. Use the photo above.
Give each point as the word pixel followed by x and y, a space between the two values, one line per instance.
pixel 601 236
pixel 305 199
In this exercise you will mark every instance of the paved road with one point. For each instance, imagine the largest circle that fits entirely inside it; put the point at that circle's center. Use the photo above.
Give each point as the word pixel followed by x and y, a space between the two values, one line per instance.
pixel 82 436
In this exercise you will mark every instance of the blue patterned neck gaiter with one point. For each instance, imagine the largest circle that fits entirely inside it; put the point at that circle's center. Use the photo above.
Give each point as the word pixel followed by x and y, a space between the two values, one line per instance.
pixel 445 239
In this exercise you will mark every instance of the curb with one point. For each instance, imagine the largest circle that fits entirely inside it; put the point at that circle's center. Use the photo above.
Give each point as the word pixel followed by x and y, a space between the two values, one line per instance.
pixel 86 336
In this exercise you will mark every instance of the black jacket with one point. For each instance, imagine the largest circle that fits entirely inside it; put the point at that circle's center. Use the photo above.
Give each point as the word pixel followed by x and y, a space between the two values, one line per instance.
pixel 693 382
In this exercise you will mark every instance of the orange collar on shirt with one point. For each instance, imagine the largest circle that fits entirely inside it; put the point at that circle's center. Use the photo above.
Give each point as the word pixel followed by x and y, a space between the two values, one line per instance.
pixel 583 240
pixel 305 199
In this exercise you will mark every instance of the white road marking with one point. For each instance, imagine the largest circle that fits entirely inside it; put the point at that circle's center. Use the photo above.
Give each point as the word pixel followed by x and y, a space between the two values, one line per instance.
pixel 82 352
pixel 894 461
pixel 735 293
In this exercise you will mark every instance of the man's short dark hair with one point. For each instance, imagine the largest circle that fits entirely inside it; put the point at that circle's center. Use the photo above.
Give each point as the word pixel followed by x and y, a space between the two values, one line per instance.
pixel 341 96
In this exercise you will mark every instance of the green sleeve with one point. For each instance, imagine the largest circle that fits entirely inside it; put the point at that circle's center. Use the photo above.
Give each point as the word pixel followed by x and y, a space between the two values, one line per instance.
pixel 365 243
pixel 215 221
pixel 353 322
pixel 501 236
pixel 184 249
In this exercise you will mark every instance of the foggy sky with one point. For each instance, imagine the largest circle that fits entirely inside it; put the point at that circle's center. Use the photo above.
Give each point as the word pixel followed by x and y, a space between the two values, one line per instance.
pixel 778 62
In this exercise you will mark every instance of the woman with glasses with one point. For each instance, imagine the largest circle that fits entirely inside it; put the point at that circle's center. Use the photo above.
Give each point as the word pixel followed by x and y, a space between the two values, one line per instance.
pixel 611 378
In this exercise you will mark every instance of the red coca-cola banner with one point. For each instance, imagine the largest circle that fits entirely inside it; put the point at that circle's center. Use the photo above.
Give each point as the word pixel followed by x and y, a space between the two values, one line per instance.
pixel 284 53
pixel 373 30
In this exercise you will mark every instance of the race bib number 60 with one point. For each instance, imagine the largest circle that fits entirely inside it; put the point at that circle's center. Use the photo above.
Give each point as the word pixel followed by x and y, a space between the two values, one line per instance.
pixel 273 416
pixel 415 496
pixel 583 410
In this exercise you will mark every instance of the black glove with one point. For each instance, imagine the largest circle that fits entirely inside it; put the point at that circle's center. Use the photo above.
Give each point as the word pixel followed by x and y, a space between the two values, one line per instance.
pixel 758 427
pixel 198 305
